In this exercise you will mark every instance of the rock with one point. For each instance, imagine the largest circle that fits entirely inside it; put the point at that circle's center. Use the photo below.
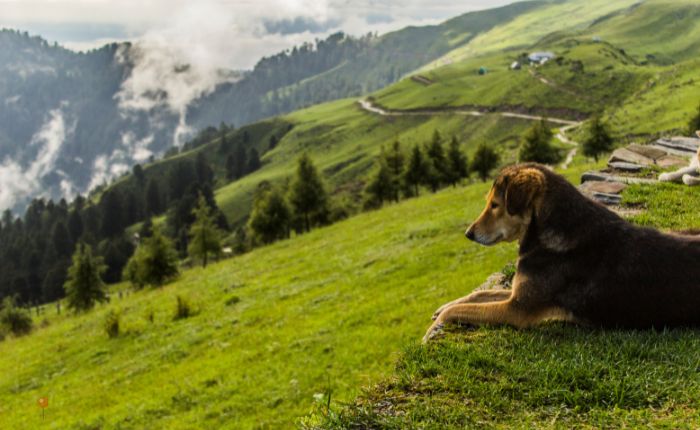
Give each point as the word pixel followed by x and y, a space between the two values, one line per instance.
pixel 626 167
pixel 605 177
pixel 626 156
pixel 671 161
pixel 671 151
pixel 688 144
pixel 602 187
pixel 497 281
pixel 647 151
pixel 607 199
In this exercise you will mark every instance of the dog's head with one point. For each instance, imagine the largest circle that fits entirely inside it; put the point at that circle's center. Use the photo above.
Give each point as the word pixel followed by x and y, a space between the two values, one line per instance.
pixel 515 196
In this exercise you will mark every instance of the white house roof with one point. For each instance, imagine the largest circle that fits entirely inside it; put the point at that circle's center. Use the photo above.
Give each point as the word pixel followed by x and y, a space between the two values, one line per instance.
pixel 539 56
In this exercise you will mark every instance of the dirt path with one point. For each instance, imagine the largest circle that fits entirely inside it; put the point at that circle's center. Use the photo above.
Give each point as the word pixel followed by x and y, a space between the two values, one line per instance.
pixel 568 124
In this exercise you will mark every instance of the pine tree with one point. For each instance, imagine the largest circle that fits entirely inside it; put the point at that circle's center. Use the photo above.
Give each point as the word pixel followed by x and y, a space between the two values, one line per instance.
pixel 270 218
pixel 154 205
pixel 436 172
pixel 537 146
pixel 84 286
pixel 112 214
pixel 205 237
pixel 485 160
pixel 382 185
pixel 238 168
pixel 205 175
pixel 395 163
pixel 598 139
pixel 75 225
pixel 272 143
pixel 456 163
pixel 415 172
pixel 153 263
pixel 61 240
pixel 253 160
pixel 138 174
pixel 307 194
pixel 694 124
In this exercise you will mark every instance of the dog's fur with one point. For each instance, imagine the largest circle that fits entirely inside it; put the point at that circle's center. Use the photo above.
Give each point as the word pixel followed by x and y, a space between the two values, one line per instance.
pixel 688 175
pixel 578 262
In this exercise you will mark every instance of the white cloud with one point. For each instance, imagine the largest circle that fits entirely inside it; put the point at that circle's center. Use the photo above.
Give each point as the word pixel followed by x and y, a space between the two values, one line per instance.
pixel 18 182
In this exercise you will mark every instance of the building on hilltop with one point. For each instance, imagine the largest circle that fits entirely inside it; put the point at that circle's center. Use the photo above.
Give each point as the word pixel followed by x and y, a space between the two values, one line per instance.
pixel 540 57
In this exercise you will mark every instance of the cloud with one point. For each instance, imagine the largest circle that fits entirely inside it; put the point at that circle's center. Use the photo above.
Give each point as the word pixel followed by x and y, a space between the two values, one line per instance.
pixel 18 182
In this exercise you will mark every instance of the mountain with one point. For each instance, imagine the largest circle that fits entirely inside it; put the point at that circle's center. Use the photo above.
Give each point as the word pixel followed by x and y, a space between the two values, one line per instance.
pixel 303 324
pixel 72 121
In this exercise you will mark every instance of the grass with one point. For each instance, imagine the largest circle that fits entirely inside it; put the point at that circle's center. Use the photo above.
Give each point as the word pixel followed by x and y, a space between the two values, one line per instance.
pixel 322 311
pixel 554 376
pixel 550 377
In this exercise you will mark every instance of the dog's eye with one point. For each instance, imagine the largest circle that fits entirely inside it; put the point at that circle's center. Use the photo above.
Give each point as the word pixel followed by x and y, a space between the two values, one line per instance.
pixel 494 205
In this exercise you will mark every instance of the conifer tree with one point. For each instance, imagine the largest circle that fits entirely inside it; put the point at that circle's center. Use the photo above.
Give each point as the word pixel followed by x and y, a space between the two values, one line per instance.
pixel 205 175
pixel 436 172
pixel 75 225
pixel 84 286
pixel 112 214
pixel 153 263
pixel 253 160
pixel 415 172
pixel 395 163
pixel 537 146
pixel 598 139
pixel 154 205
pixel 485 160
pixel 270 219
pixel 456 163
pixel 307 194
pixel 205 237
pixel 382 185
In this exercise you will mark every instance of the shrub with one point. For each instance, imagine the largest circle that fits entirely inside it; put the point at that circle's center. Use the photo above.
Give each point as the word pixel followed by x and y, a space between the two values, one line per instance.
pixel 598 140
pixel 232 300
pixel 111 324
pixel 14 319
pixel 183 309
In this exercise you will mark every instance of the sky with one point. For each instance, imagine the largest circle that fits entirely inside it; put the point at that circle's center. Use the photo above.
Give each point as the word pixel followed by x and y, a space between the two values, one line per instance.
pixel 243 30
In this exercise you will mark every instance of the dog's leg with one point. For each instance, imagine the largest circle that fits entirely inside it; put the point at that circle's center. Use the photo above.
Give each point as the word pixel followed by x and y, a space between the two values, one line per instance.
pixel 506 312
pixel 691 180
pixel 483 296
pixel 677 176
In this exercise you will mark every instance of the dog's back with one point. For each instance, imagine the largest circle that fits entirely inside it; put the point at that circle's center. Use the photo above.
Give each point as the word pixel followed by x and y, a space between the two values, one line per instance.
pixel 620 274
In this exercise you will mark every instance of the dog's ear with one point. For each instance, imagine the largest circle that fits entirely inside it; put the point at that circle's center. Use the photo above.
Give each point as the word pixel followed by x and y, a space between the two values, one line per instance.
pixel 522 187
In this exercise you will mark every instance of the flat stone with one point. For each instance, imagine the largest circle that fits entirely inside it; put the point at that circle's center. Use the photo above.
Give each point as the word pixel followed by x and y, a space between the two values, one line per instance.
pixel 626 167
pixel 607 199
pixel 603 187
pixel 647 151
pixel 671 161
pixel 671 151
pixel 688 144
pixel 604 177
pixel 626 156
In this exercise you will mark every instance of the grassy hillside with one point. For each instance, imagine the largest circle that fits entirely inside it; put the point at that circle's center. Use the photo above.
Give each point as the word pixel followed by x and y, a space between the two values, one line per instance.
pixel 546 377
pixel 322 311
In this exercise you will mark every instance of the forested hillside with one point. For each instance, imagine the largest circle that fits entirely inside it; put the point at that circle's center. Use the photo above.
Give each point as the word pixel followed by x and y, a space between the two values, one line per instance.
pixel 85 128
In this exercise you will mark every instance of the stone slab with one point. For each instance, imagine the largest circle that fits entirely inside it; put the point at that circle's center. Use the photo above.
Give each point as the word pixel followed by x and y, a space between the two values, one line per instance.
pixel 675 152
pixel 626 167
pixel 605 177
pixel 647 151
pixel 688 144
pixel 671 161
pixel 626 156
pixel 603 187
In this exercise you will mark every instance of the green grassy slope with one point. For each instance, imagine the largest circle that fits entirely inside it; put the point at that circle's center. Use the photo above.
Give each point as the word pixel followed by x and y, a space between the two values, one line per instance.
pixel 546 377
pixel 331 306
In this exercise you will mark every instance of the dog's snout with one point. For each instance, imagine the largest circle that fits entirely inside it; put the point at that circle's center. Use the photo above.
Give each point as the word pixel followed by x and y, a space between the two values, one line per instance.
pixel 470 234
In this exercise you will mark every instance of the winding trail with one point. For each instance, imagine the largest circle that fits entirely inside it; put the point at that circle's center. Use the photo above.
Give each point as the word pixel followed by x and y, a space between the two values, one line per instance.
pixel 567 124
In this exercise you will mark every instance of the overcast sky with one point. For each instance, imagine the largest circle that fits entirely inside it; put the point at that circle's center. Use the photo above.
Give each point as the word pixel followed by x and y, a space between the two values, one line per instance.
pixel 245 29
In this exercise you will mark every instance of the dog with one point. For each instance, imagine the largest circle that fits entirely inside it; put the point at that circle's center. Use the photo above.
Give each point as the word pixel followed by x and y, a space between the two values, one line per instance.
pixel 578 262
pixel 688 175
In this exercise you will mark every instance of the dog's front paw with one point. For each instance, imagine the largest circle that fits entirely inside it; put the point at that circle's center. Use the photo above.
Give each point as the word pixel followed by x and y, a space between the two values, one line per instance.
pixel 665 177
pixel 434 331
pixel 441 309
pixel 691 180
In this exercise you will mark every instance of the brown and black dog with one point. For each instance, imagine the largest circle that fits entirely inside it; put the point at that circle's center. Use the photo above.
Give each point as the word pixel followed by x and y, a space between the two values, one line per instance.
pixel 578 262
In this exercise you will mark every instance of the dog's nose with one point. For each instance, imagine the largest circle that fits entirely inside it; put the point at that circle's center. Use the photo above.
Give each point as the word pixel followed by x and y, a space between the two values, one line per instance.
pixel 470 234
